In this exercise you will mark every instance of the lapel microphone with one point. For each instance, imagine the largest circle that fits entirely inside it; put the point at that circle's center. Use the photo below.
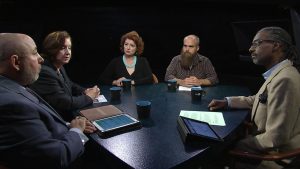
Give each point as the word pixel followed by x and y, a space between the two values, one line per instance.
pixel 263 97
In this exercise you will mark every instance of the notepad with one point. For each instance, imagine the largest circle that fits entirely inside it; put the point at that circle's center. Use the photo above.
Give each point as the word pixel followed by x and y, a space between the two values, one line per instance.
pixel 100 99
pixel 212 118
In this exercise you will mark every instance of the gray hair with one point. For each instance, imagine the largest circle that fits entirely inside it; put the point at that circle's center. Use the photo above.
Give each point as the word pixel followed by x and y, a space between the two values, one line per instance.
pixel 280 35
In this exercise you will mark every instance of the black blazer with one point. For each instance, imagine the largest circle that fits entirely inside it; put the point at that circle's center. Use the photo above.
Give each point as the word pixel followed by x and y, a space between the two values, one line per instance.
pixel 61 93
pixel 116 69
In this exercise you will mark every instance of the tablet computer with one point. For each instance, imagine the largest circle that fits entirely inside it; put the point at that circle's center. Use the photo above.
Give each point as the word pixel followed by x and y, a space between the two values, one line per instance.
pixel 201 129
pixel 115 122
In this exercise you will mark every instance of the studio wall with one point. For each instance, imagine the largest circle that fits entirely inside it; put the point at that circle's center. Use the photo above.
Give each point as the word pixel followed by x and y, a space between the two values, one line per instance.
pixel 96 31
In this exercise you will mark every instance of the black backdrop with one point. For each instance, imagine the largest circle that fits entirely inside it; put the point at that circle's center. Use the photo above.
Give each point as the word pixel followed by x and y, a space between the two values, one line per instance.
pixel 225 29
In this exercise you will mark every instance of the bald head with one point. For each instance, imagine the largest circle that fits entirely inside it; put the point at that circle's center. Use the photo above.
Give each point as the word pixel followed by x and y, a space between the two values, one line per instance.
pixel 12 44
pixel 194 38
pixel 19 59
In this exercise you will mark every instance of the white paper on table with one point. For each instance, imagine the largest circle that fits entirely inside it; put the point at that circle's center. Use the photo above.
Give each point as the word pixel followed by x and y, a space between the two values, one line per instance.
pixel 183 88
pixel 212 118
pixel 100 99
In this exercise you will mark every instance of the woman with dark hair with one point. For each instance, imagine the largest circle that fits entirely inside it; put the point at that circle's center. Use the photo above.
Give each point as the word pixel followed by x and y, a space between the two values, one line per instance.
pixel 130 65
pixel 53 83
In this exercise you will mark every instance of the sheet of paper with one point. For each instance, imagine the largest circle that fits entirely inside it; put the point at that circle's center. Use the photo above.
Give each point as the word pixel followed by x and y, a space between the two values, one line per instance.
pixel 212 118
pixel 183 88
pixel 100 99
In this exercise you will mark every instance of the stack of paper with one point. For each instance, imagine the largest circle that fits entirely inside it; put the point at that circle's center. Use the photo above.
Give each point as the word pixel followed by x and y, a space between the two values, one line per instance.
pixel 212 118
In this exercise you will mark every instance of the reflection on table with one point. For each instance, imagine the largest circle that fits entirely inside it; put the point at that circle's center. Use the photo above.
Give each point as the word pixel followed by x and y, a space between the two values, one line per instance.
pixel 158 144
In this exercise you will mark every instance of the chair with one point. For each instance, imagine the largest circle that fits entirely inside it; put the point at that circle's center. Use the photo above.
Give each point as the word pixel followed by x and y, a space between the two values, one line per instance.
pixel 277 157
pixel 3 166
pixel 155 80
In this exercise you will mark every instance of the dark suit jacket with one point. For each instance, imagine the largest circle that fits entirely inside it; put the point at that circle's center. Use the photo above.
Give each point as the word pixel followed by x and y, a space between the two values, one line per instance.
pixel 116 69
pixel 33 135
pixel 62 94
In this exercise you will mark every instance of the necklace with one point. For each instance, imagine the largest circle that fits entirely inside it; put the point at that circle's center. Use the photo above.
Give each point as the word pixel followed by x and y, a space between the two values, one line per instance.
pixel 129 65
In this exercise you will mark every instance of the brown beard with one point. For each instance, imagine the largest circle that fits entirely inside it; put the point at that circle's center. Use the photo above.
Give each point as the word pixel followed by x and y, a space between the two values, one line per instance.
pixel 186 59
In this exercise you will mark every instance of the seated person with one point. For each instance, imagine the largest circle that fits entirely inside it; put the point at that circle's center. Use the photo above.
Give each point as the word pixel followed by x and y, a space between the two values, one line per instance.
pixel 190 68
pixel 33 135
pixel 275 108
pixel 129 66
pixel 54 85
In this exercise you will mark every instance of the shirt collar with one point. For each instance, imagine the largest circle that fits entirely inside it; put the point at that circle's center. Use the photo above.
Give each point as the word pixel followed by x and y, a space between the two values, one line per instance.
pixel 269 72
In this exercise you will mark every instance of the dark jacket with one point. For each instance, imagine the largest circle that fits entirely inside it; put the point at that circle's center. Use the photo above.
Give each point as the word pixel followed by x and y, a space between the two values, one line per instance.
pixel 116 69
pixel 61 93
pixel 33 135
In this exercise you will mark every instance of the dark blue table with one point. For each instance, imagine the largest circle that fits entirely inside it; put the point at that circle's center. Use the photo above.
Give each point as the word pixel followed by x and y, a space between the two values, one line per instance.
pixel 157 145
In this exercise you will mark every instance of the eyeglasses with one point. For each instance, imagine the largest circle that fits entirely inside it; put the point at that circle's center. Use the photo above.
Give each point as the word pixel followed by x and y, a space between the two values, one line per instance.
pixel 258 42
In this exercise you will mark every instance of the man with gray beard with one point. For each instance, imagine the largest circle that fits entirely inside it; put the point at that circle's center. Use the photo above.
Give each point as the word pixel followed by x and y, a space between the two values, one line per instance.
pixel 190 68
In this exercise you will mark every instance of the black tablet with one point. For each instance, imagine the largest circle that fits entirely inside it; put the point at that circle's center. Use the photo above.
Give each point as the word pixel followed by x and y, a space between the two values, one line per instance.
pixel 202 129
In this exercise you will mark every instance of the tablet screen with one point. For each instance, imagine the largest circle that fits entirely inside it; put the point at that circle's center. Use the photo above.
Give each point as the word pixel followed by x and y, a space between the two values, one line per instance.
pixel 201 129
pixel 114 122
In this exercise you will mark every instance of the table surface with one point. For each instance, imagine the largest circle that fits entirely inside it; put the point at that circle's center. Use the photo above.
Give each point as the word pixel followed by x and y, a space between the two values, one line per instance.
pixel 158 144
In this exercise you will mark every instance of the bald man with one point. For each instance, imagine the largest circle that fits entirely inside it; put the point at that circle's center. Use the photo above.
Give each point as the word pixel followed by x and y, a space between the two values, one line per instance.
pixel 190 68
pixel 32 135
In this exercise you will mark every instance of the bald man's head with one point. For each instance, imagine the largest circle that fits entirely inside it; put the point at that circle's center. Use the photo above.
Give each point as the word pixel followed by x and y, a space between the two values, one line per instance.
pixel 194 37
pixel 12 44
pixel 19 59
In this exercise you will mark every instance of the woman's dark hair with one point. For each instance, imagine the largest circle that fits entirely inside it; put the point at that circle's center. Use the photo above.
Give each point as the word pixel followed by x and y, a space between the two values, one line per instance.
pixel 53 43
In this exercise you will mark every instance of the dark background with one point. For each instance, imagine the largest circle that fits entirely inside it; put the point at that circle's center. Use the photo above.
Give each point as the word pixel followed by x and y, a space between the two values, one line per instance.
pixel 225 28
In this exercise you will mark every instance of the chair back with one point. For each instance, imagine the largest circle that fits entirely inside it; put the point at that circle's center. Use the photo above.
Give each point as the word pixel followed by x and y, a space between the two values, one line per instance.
pixel 155 80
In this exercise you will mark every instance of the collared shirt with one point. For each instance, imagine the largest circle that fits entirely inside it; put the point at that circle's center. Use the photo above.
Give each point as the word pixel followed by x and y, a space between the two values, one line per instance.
pixel 201 68
pixel 269 72
pixel 266 75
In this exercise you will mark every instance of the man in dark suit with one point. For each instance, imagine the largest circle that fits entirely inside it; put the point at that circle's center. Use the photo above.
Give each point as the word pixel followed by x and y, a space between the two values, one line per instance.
pixel 32 134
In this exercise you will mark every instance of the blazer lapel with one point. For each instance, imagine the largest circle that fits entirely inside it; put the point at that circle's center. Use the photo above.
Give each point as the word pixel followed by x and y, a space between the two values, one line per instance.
pixel 264 86
pixel 66 82
pixel 31 95
pixel 34 98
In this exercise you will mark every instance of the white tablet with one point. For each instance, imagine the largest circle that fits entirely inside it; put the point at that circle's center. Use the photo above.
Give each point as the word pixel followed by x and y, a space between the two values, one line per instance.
pixel 115 122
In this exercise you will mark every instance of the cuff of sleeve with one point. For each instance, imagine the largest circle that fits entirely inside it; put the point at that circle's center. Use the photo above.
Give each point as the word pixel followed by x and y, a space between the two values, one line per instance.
pixel 228 102
pixel 82 136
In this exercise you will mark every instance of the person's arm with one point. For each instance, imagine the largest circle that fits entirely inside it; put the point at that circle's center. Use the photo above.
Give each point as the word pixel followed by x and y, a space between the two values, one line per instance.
pixel 144 71
pixel 235 102
pixel 171 70
pixel 211 75
pixel 38 146
pixel 54 92
pixel 76 89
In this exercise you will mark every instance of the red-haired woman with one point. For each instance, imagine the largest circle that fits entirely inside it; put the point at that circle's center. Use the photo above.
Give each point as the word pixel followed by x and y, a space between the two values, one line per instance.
pixel 130 65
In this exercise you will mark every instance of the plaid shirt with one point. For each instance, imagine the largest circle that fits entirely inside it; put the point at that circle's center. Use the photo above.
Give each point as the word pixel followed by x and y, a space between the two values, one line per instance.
pixel 201 68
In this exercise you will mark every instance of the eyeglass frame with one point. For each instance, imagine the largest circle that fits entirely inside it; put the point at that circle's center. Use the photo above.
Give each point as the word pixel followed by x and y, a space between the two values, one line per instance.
pixel 258 42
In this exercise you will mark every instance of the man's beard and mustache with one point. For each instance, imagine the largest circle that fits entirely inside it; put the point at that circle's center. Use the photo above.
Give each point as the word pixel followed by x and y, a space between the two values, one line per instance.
pixel 28 76
pixel 186 59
